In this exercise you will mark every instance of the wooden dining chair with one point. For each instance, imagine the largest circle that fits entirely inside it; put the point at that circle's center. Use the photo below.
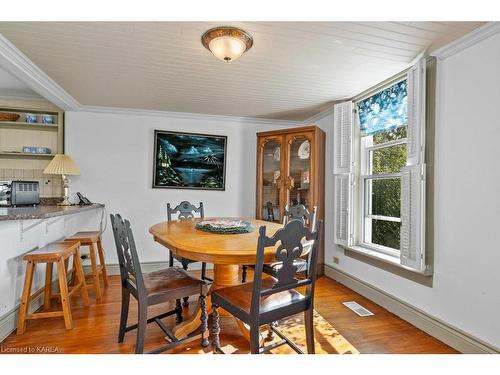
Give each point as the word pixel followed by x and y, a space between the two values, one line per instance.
pixel 270 299
pixel 270 211
pixel 151 289
pixel 295 212
pixel 186 211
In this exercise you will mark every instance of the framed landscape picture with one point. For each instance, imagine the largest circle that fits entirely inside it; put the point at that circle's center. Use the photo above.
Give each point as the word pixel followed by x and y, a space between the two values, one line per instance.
pixel 189 161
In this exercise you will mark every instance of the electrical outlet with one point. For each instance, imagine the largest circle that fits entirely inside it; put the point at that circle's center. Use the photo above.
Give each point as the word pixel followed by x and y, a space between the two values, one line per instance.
pixel 336 260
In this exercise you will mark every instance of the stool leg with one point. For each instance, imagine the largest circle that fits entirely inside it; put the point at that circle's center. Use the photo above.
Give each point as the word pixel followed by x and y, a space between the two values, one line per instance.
pixel 25 299
pixel 102 262
pixel 48 285
pixel 63 286
pixel 78 269
pixel 95 272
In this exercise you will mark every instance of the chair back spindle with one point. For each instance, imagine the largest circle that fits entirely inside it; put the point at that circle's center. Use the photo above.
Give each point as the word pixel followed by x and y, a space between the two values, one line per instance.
pixel 130 267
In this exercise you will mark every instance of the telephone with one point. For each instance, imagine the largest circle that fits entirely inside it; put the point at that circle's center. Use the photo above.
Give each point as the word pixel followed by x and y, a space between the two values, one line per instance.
pixel 83 201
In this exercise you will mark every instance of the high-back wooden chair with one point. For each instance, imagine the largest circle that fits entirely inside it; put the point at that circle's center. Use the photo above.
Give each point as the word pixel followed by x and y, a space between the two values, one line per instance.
pixel 300 212
pixel 186 211
pixel 270 299
pixel 295 212
pixel 270 211
pixel 151 289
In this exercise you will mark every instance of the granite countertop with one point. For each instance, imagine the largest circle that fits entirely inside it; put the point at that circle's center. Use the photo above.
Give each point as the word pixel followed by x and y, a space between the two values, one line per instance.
pixel 42 211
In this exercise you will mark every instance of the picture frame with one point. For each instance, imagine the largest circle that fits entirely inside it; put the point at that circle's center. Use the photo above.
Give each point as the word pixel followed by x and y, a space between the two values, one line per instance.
pixel 189 160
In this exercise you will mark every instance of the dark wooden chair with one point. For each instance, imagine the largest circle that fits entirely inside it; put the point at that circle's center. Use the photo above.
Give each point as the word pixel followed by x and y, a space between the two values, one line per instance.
pixel 270 299
pixel 186 211
pixel 296 212
pixel 270 211
pixel 151 289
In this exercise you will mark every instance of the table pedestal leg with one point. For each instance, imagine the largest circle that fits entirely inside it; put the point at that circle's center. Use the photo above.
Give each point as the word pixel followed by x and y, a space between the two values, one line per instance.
pixel 224 276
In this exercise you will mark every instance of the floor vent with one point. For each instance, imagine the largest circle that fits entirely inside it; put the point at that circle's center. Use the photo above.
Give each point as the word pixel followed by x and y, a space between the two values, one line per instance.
pixel 357 308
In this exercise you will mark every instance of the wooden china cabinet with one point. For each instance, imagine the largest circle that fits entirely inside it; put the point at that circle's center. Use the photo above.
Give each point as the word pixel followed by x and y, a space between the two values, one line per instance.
pixel 291 170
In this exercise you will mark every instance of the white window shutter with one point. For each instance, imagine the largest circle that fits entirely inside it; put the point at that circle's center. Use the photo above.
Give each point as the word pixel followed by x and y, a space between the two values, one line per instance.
pixel 342 168
pixel 416 114
pixel 412 217
pixel 342 138
pixel 343 205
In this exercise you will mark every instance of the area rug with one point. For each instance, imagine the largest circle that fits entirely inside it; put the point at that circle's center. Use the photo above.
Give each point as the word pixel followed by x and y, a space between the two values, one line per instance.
pixel 327 339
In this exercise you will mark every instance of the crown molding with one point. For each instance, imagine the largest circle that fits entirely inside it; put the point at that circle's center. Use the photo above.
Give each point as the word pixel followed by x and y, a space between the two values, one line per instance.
pixel 186 115
pixel 21 67
pixel 474 37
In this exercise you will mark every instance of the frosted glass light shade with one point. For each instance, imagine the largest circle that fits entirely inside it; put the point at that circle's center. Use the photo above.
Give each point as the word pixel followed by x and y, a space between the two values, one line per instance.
pixel 62 164
pixel 227 48
pixel 227 43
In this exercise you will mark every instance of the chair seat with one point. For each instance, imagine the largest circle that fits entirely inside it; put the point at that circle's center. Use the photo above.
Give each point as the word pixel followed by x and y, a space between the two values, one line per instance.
pixel 171 283
pixel 85 237
pixel 52 252
pixel 241 296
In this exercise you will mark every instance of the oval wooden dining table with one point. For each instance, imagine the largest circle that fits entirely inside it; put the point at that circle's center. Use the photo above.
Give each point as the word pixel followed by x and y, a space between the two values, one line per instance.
pixel 225 251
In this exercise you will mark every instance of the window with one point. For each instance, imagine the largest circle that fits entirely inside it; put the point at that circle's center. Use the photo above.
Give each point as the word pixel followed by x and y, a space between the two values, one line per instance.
pixel 379 171
pixel 383 121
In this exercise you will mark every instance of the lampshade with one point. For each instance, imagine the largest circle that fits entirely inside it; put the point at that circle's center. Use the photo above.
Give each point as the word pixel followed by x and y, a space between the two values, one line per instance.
pixel 62 164
pixel 227 43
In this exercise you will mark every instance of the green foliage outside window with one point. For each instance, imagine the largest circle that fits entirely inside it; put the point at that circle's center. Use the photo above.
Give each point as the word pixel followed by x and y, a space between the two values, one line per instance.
pixel 386 193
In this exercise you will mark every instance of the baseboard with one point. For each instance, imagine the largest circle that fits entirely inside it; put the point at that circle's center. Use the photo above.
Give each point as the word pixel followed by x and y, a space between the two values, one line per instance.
pixel 452 336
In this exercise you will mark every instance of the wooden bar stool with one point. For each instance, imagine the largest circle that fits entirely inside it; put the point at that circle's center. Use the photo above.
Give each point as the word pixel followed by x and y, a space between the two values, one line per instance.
pixel 89 239
pixel 57 253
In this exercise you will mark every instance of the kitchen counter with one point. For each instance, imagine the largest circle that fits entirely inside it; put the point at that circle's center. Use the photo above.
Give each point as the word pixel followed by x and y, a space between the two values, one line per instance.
pixel 42 212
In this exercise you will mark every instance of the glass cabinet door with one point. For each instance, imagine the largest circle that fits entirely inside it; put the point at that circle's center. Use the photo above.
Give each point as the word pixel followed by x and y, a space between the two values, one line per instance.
pixel 271 179
pixel 298 175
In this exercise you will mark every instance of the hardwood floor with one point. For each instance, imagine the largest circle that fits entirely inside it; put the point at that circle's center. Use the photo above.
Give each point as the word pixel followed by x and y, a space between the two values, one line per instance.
pixel 96 327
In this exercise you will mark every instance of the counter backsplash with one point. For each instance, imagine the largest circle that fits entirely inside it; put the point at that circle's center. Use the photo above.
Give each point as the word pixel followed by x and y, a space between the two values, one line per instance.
pixel 50 185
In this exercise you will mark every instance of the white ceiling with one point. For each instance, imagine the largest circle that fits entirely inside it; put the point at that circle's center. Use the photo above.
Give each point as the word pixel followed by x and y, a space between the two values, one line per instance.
pixel 10 86
pixel 293 71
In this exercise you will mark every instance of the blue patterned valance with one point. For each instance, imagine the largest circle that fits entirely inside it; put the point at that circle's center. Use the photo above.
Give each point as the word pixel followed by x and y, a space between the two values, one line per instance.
pixel 387 109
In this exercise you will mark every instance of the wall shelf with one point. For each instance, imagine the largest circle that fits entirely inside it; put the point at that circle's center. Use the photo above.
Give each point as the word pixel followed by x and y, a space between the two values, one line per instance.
pixel 27 125
pixel 24 155
pixel 14 135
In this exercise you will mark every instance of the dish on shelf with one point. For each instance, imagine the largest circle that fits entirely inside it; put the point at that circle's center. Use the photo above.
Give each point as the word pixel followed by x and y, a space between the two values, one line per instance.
pixel 36 150
pixel 304 150
pixel 8 116
pixel 277 153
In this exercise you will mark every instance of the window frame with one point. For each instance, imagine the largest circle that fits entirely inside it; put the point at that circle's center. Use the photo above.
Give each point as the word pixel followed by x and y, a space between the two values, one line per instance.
pixel 361 176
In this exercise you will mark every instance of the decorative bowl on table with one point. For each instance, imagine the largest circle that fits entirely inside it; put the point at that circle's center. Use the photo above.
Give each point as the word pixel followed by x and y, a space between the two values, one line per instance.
pixel 224 226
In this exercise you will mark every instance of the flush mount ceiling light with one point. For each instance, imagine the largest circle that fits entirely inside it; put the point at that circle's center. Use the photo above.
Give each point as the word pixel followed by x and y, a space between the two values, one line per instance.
pixel 227 43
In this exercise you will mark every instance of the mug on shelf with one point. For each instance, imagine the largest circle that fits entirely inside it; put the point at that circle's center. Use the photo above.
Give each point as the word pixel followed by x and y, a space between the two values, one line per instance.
pixel 30 118
pixel 47 119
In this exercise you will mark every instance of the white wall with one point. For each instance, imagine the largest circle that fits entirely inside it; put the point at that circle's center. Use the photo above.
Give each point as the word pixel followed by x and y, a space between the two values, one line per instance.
pixel 465 292
pixel 115 155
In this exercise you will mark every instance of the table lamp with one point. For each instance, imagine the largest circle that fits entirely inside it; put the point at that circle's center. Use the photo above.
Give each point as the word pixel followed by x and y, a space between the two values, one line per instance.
pixel 65 166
